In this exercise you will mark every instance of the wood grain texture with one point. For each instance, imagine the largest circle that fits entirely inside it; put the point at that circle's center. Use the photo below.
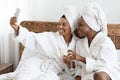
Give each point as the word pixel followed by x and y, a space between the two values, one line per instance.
pixel 114 34
pixel 39 26
pixel 6 68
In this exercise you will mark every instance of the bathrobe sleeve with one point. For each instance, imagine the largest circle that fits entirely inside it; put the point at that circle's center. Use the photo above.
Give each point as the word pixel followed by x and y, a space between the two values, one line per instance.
pixel 106 57
pixel 31 40
pixel 27 38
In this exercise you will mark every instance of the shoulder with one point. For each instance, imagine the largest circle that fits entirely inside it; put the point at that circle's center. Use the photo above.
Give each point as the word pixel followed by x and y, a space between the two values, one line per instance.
pixel 103 40
pixel 107 42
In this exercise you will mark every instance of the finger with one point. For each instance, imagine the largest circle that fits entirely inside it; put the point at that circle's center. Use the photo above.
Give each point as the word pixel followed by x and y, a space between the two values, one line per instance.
pixel 13 18
pixel 13 21
pixel 64 57
pixel 70 55
pixel 67 58
pixel 70 50
pixel 13 25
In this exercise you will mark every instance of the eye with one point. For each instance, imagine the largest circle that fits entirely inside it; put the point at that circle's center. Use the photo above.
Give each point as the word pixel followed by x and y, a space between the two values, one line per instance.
pixel 58 24
pixel 65 24
pixel 79 25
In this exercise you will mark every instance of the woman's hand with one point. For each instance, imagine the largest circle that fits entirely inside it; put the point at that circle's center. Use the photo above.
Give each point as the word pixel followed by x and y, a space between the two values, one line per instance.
pixel 68 62
pixel 13 24
pixel 74 56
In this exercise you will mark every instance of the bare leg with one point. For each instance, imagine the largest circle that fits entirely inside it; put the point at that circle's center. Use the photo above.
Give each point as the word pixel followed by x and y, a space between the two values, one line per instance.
pixel 77 78
pixel 101 76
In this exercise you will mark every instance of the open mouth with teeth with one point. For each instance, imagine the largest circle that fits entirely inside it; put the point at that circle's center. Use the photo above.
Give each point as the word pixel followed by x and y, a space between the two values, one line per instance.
pixel 61 31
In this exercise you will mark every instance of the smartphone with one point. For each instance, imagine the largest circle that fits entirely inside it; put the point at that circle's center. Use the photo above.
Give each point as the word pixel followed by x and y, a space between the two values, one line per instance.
pixel 16 14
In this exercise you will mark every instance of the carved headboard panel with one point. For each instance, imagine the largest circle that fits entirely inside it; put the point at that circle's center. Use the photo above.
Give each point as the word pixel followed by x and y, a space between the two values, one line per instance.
pixel 41 26
pixel 114 34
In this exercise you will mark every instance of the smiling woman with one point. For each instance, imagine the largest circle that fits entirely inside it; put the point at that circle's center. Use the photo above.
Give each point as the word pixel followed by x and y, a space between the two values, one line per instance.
pixel 42 55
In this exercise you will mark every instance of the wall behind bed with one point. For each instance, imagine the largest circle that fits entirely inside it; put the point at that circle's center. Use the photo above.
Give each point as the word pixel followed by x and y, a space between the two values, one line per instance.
pixel 51 10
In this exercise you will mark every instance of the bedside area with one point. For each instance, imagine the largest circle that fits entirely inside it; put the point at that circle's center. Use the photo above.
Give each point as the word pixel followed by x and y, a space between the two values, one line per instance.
pixel 6 68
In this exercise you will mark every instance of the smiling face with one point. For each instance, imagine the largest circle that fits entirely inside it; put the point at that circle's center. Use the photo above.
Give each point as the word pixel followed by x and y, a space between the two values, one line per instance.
pixel 83 28
pixel 64 27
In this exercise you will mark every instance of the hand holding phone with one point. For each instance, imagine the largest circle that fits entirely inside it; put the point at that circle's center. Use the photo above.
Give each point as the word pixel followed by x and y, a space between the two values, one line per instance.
pixel 13 21
pixel 17 12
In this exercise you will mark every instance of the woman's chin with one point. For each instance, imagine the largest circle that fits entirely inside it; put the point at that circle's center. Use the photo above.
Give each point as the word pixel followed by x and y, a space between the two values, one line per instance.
pixel 81 37
pixel 61 33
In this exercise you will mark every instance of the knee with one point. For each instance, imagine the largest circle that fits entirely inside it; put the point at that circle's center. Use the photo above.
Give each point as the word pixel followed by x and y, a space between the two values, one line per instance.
pixel 77 78
pixel 97 76
pixel 101 76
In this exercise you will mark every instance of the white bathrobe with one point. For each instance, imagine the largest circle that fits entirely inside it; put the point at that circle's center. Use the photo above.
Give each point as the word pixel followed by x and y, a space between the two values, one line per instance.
pixel 42 57
pixel 101 55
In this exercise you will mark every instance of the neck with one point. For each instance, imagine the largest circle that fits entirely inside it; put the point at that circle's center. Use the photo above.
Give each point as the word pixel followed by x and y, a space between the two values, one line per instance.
pixel 91 36
pixel 68 38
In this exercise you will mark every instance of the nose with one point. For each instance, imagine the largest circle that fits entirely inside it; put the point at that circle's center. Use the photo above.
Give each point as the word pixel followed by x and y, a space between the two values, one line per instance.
pixel 60 26
pixel 78 29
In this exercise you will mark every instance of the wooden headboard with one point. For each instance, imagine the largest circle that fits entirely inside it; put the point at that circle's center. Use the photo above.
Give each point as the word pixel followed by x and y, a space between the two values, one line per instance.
pixel 41 26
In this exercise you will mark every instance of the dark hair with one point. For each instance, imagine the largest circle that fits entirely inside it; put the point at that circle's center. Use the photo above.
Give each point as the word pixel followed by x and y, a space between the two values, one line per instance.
pixel 63 16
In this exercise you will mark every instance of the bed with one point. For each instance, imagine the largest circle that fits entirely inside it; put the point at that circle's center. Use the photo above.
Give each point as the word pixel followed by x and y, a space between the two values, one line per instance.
pixel 41 26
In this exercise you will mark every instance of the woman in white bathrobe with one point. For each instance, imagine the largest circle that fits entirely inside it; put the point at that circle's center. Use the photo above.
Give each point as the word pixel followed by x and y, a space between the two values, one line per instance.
pixel 42 57
pixel 95 54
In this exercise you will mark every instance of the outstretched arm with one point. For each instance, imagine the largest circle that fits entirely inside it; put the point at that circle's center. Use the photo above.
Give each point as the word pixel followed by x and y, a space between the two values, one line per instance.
pixel 23 35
